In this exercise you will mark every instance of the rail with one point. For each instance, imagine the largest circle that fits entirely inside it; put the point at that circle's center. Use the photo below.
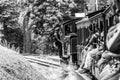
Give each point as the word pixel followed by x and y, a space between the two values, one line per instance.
pixel 42 62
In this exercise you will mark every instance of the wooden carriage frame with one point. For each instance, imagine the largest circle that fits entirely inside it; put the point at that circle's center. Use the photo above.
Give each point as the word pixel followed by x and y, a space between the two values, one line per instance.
pixel 96 17
pixel 69 38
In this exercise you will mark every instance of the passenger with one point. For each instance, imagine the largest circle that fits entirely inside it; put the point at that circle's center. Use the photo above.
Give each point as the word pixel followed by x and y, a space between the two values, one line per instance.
pixel 113 37
pixel 58 42
pixel 112 43
pixel 90 55
pixel 67 56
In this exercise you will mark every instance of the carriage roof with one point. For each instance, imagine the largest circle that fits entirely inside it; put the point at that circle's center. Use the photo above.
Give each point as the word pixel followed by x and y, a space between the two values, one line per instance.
pixel 71 21
pixel 92 17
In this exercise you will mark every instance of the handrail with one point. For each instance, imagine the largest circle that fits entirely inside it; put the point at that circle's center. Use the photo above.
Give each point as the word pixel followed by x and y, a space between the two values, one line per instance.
pixel 107 9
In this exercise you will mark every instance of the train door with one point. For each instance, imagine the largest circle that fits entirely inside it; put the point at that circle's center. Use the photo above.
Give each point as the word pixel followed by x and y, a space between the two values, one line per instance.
pixel 66 49
pixel 73 50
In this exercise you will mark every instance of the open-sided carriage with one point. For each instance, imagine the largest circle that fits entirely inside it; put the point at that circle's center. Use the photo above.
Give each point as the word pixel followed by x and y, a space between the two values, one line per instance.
pixel 78 33
pixel 95 22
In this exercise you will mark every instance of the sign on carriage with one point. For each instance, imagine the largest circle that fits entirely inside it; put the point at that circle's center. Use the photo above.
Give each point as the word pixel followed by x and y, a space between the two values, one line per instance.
pixel 80 15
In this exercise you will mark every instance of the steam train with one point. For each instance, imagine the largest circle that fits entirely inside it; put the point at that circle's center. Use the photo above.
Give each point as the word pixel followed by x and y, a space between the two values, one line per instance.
pixel 77 33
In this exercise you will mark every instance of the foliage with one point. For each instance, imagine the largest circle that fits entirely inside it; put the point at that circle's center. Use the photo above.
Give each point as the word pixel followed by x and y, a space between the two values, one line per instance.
pixel 43 45
pixel 91 4
pixel 14 66
pixel 9 14
pixel 41 17
pixel 15 37
pixel 9 46
pixel 102 3
pixel 49 14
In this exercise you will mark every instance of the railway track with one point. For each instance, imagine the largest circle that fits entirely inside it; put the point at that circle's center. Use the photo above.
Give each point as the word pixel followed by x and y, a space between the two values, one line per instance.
pixel 42 62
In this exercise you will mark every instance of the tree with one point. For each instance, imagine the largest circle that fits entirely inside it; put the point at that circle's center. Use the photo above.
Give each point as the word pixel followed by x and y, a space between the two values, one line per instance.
pixel 50 14
pixel 91 4
pixel 39 17
pixel 9 14
pixel 45 16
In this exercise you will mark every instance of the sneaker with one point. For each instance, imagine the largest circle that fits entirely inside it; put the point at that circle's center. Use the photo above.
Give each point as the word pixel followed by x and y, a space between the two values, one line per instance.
pixel 83 70
pixel 88 73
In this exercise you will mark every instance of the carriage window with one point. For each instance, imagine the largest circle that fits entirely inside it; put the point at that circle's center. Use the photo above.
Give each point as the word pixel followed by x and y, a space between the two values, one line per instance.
pixel 65 48
pixel 67 30
pixel 74 45
pixel 74 28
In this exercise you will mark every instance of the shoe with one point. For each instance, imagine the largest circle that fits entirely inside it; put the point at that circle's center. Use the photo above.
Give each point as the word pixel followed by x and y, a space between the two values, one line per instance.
pixel 89 74
pixel 83 70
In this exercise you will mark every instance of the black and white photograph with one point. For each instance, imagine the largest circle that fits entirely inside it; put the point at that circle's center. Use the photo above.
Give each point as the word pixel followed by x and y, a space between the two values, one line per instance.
pixel 59 39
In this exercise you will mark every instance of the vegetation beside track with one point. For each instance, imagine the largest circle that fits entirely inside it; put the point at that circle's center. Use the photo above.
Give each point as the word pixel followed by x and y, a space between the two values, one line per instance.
pixel 13 66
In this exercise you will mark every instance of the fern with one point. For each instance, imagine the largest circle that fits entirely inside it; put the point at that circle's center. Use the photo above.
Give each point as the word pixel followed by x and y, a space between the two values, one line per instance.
pixel 8 45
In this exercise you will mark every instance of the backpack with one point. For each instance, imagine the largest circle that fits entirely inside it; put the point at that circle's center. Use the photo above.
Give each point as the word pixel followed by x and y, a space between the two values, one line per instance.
pixel 113 39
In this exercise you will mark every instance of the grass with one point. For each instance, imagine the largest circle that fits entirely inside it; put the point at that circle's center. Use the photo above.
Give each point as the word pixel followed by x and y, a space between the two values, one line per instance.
pixel 14 66
pixel 8 45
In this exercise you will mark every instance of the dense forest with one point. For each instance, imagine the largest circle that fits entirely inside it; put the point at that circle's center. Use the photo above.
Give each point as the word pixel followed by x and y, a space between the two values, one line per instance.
pixel 30 24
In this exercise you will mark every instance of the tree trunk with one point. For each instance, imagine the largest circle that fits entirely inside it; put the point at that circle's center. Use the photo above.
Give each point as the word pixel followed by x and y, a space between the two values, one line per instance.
pixel 5 29
pixel 27 34
pixel 27 41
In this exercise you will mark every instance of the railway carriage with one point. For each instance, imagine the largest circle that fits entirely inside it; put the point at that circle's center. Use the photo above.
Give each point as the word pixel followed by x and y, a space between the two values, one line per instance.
pixel 77 34
pixel 93 23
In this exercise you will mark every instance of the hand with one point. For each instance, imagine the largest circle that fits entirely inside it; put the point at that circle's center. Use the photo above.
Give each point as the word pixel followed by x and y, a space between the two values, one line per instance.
pixel 106 55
